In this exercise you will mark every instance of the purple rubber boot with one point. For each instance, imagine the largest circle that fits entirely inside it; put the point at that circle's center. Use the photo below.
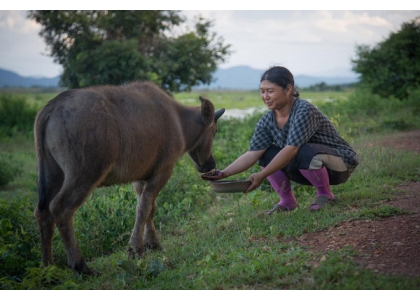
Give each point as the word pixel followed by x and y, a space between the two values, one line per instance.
pixel 281 184
pixel 320 180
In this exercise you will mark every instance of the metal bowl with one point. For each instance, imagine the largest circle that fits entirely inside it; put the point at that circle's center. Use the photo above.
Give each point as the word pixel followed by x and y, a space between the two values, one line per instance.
pixel 230 186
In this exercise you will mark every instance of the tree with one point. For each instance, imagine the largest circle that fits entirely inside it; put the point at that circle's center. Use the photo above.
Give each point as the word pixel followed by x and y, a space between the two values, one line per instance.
pixel 392 68
pixel 114 47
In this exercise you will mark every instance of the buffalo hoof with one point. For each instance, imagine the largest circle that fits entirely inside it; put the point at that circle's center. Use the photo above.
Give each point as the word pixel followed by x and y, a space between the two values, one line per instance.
pixel 82 268
pixel 153 246
pixel 132 254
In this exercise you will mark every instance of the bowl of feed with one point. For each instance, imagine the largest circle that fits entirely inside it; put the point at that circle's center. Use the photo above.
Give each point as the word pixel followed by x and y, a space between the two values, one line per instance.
pixel 230 186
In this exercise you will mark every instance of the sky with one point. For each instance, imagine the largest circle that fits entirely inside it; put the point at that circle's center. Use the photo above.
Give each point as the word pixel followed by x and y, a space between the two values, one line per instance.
pixel 308 42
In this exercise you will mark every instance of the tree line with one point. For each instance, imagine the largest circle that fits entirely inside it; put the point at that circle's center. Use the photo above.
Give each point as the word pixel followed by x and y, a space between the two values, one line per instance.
pixel 114 47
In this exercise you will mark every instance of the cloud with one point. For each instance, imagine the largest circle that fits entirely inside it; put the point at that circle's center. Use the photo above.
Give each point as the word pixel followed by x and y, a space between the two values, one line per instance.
pixel 312 41
pixel 16 21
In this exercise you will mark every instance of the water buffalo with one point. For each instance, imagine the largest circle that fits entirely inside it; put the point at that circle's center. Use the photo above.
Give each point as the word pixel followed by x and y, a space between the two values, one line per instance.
pixel 104 135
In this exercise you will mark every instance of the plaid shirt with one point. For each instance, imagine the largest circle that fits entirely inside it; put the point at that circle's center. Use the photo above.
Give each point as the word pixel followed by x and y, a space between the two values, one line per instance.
pixel 306 124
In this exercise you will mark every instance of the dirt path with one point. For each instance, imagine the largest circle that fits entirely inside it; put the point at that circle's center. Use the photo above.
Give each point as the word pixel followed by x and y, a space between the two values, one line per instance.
pixel 389 245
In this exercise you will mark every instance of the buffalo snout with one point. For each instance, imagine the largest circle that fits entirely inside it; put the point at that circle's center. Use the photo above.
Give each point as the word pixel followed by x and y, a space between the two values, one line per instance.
pixel 209 165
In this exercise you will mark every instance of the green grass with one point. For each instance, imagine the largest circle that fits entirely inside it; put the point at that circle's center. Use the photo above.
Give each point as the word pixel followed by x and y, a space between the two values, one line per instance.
pixel 227 99
pixel 213 241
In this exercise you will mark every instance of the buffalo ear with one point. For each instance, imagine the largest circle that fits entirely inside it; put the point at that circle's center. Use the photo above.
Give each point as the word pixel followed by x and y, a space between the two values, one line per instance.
pixel 207 111
pixel 218 114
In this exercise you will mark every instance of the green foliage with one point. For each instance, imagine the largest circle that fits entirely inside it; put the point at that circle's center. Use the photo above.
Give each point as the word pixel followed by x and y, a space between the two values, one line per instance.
pixel 10 169
pixel 113 47
pixel 413 101
pixel 19 248
pixel 322 87
pixel 364 112
pixel 106 221
pixel 233 134
pixel 392 67
pixel 115 62
pixel 189 59
pixel 16 115
pixel 37 278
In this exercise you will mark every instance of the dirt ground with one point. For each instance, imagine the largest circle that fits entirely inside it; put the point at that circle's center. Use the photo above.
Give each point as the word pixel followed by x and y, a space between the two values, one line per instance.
pixel 390 245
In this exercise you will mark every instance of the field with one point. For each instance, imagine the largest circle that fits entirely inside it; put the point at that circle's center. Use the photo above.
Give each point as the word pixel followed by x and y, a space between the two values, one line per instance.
pixel 247 99
pixel 214 241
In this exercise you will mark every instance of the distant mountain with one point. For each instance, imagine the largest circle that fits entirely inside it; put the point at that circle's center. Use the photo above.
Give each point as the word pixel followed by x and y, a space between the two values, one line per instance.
pixel 235 78
pixel 12 79
pixel 247 78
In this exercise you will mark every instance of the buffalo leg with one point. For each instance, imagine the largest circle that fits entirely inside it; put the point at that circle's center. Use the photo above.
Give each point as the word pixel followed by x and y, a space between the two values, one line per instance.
pixel 151 240
pixel 143 210
pixel 51 184
pixel 144 232
pixel 150 235
pixel 46 225
pixel 63 207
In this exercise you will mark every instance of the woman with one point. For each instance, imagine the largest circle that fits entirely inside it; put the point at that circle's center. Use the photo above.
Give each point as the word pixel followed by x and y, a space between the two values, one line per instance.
pixel 293 141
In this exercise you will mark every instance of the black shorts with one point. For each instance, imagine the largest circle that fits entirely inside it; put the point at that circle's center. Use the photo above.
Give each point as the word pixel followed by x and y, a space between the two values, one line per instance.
pixel 304 160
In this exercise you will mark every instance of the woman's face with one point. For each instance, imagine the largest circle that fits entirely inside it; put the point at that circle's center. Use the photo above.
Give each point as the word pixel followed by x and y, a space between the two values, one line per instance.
pixel 274 96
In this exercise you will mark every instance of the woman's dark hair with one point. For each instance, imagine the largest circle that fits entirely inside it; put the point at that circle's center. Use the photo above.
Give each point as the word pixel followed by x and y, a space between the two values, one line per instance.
pixel 280 76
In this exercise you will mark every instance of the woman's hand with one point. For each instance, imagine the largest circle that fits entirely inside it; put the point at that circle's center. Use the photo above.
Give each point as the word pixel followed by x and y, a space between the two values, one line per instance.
pixel 214 175
pixel 256 180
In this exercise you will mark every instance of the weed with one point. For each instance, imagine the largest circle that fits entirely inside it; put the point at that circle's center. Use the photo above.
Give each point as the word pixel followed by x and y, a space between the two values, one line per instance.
pixel 16 115
pixel 10 168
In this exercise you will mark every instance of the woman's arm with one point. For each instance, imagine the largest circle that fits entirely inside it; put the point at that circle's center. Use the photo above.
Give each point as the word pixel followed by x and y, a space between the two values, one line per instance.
pixel 243 162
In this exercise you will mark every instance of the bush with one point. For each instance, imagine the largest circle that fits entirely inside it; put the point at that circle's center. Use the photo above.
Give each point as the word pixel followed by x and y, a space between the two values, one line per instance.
pixel 16 115
pixel 413 101
pixel 391 67
pixel 18 238
pixel 9 170
pixel 365 112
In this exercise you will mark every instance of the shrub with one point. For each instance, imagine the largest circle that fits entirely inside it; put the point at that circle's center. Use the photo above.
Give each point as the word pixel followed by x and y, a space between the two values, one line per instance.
pixel 9 170
pixel 16 115
pixel 414 101
pixel 364 112
pixel 19 247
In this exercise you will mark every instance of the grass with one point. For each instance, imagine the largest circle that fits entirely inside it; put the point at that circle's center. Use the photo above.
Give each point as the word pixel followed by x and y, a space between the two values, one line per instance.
pixel 212 241
pixel 247 99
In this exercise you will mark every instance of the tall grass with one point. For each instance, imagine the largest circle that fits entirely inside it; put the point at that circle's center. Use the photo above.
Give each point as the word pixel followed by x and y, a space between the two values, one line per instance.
pixel 217 241
pixel 16 115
